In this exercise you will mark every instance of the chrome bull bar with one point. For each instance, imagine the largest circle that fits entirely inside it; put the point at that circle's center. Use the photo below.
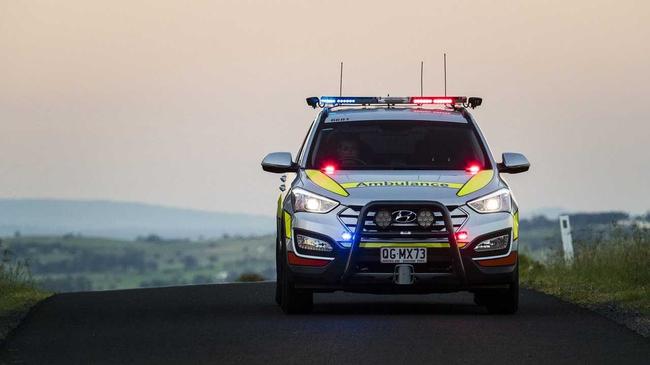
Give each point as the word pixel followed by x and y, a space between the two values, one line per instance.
pixel 457 263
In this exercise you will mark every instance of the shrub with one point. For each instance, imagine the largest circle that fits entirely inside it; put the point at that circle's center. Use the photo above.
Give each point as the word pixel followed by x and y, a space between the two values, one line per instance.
pixel 13 271
pixel 250 277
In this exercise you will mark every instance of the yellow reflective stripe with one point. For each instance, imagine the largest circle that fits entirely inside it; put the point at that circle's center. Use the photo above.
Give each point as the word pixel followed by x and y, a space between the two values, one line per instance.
pixel 326 182
pixel 477 182
pixel 515 226
pixel 404 244
pixel 287 224
pixel 279 213
pixel 377 184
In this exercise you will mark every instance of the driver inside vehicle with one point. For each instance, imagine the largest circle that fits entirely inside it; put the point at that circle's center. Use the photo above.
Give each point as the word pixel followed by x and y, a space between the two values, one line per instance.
pixel 347 152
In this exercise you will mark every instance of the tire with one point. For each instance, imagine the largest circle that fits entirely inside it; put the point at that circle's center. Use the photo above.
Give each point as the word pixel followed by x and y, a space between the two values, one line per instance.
pixel 501 301
pixel 290 299
pixel 278 286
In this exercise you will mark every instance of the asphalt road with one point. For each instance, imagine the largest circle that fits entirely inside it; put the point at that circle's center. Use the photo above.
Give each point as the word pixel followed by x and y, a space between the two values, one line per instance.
pixel 240 323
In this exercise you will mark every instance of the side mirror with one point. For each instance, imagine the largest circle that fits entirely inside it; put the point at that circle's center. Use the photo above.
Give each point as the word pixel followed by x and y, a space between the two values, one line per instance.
pixel 513 163
pixel 279 162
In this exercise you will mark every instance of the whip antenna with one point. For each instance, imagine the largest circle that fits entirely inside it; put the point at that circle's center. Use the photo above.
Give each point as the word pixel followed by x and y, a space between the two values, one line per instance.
pixel 445 67
pixel 421 78
pixel 341 81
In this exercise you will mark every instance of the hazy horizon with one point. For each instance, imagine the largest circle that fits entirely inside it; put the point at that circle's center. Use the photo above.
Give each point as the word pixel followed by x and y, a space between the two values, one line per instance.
pixel 171 104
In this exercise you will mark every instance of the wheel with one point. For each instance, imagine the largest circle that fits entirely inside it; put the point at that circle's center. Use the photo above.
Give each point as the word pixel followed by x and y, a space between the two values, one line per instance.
pixel 293 300
pixel 278 287
pixel 290 299
pixel 501 301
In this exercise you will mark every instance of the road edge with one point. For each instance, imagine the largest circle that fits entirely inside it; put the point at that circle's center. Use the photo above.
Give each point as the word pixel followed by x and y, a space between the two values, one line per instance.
pixel 10 322
pixel 633 320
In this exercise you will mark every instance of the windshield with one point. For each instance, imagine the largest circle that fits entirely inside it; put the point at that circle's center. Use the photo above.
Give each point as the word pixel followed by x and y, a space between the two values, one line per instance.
pixel 396 145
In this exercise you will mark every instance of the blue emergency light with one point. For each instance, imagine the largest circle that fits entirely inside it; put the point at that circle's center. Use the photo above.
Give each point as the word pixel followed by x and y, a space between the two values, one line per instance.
pixel 347 100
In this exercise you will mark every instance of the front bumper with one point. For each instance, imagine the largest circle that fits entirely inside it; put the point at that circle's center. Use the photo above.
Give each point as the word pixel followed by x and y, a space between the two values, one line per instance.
pixel 358 269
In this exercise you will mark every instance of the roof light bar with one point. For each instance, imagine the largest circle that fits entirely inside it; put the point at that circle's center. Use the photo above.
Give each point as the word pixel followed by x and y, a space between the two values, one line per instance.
pixel 394 100
pixel 445 100
pixel 472 102
pixel 347 100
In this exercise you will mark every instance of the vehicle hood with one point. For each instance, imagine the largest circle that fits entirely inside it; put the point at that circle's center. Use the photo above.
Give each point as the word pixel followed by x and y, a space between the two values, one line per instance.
pixel 365 186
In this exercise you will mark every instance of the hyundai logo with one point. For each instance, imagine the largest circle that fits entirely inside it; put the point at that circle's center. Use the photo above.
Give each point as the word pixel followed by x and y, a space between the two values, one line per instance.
pixel 404 216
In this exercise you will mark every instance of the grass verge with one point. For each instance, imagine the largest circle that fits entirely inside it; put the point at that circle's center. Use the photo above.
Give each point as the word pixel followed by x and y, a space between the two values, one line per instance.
pixel 17 293
pixel 607 276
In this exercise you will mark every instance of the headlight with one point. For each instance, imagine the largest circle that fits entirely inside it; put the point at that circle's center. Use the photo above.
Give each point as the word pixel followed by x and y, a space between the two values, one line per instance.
pixel 305 201
pixel 499 201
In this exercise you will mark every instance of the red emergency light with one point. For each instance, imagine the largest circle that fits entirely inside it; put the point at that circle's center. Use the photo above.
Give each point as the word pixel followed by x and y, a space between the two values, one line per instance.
pixel 329 169
pixel 473 169
pixel 440 100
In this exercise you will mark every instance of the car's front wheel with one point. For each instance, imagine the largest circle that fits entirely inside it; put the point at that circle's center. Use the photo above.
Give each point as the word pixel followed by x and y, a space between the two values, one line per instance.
pixel 278 286
pixel 503 301
pixel 293 300
pixel 290 299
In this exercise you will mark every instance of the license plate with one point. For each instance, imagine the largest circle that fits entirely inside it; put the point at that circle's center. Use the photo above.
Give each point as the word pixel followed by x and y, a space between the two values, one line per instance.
pixel 399 255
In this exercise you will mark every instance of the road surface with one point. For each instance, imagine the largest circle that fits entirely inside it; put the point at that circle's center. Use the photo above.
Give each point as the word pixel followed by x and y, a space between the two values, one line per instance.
pixel 240 323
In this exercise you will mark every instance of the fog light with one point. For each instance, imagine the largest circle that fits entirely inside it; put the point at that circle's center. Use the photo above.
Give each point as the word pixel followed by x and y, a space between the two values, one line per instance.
pixel 492 244
pixel 346 236
pixel 383 218
pixel 312 244
pixel 425 218
pixel 461 236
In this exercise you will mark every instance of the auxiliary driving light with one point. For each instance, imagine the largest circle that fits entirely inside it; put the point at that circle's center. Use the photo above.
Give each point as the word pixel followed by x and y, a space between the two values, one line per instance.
pixel 425 218
pixel 383 218
pixel 492 244
pixel 312 244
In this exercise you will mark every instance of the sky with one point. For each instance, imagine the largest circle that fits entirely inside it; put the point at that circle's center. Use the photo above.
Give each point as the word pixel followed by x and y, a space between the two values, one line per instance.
pixel 176 103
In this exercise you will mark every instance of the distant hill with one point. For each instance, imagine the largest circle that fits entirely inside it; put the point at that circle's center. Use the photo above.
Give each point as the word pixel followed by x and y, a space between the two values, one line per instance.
pixel 122 220
pixel 548 212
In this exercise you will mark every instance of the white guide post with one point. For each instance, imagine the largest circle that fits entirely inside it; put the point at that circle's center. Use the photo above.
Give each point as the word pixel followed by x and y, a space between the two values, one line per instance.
pixel 567 241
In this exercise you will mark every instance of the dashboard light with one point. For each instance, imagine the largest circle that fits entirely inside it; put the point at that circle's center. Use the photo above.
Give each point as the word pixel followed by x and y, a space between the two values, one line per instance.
pixel 473 169
pixel 329 169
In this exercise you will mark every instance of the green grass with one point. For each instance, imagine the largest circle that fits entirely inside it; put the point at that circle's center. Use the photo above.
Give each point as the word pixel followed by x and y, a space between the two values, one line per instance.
pixel 17 298
pixel 75 263
pixel 615 271
pixel 17 292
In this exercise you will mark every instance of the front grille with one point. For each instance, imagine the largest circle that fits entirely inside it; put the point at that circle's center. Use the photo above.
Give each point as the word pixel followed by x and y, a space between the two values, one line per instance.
pixel 402 231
